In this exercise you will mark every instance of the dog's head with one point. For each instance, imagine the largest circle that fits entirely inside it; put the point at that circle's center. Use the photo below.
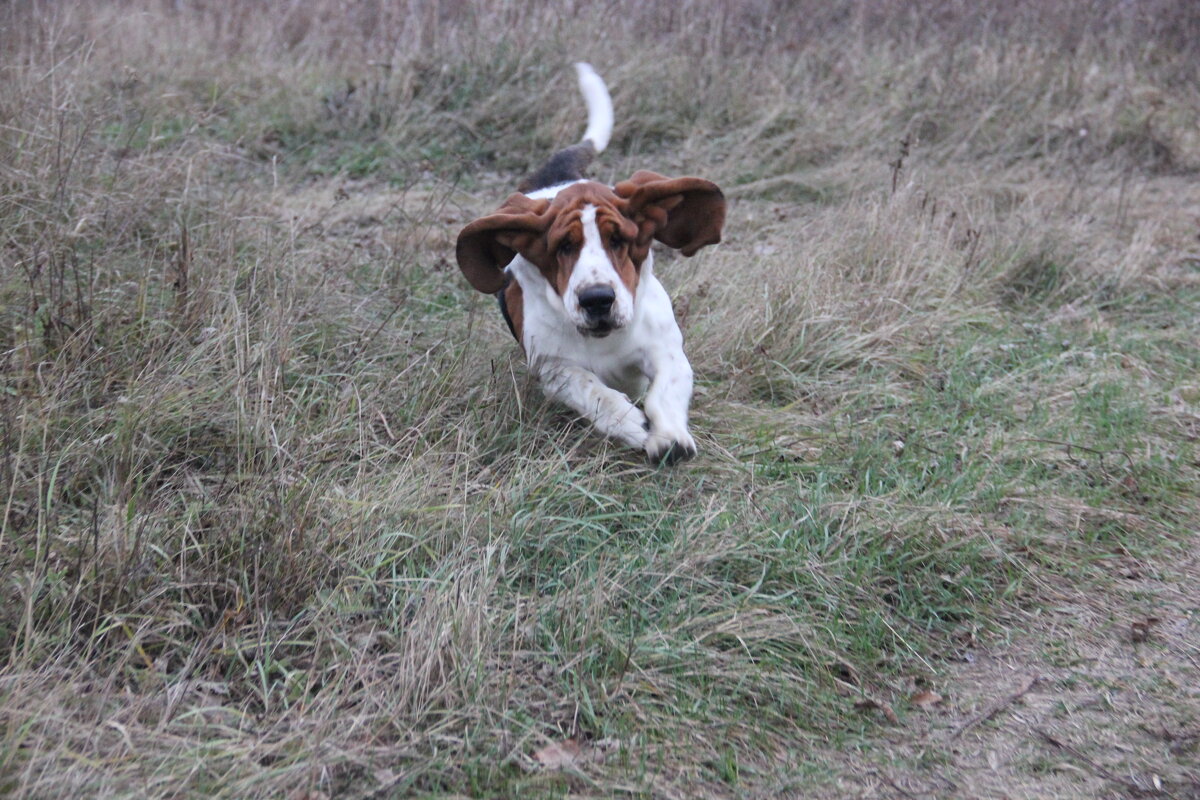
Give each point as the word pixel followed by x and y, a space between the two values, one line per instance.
pixel 589 241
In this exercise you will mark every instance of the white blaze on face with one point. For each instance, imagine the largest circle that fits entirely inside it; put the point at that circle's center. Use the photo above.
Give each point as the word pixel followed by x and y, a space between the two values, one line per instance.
pixel 595 268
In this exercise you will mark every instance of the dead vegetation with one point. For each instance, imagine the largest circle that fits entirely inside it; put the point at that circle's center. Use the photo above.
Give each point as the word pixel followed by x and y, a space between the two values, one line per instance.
pixel 282 516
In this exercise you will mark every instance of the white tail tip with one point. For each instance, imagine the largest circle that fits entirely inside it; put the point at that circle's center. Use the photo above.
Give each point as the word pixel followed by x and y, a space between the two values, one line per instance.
pixel 599 106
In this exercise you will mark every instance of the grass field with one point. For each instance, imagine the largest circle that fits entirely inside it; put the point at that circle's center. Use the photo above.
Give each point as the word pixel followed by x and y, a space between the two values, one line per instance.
pixel 282 514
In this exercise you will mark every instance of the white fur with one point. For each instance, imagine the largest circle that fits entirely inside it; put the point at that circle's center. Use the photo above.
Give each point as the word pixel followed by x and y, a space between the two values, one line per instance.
pixel 597 376
pixel 550 192
pixel 599 106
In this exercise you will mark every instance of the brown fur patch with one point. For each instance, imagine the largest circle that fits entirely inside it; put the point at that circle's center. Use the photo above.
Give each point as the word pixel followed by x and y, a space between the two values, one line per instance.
pixel 512 303
pixel 684 213
pixel 488 244
pixel 564 238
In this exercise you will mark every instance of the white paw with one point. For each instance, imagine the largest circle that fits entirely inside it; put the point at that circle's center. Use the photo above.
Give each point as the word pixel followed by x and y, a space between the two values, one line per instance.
pixel 663 447
pixel 631 428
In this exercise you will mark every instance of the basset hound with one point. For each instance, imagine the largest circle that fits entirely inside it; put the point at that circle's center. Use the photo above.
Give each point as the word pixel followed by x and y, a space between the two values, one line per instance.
pixel 569 261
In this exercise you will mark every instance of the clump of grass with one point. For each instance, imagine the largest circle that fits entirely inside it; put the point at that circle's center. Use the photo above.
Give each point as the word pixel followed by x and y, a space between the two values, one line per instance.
pixel 282 513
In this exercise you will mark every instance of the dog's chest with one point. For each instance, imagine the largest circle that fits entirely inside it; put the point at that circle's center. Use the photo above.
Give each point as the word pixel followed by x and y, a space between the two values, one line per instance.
pixel 619 360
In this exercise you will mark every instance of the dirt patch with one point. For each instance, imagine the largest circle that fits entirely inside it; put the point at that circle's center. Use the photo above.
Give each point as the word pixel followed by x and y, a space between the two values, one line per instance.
pixel 1098 696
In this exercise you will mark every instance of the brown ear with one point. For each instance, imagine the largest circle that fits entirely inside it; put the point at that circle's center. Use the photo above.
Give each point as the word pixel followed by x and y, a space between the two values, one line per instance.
pixel 486 245
pixel 683 213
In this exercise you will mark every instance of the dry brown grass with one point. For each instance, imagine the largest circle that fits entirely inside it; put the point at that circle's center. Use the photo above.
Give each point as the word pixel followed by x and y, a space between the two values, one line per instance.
pixel 283 516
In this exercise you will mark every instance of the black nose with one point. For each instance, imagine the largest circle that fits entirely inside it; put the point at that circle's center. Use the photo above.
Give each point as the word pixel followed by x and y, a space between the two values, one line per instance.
pixel 596 301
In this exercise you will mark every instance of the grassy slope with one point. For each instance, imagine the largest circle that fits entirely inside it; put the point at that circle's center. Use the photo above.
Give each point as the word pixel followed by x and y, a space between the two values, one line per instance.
pixel 283 516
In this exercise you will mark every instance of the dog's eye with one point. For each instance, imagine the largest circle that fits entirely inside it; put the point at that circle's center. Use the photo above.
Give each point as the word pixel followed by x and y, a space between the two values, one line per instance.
pixel 566 247
pixel 616 241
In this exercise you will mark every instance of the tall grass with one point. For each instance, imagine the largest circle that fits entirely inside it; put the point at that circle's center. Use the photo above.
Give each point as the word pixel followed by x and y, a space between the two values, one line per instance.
pixel 282 514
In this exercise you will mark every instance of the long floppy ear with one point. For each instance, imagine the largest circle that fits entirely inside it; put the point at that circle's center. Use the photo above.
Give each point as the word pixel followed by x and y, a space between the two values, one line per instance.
pixel 486 245
pixel 683 213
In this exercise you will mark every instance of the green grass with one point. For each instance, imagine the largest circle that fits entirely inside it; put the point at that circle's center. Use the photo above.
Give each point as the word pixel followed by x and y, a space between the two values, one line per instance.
pixel 282 513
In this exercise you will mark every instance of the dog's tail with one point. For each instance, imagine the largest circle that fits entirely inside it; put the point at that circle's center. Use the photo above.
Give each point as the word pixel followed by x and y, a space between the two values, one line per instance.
pixel 570 163
pixel 599 107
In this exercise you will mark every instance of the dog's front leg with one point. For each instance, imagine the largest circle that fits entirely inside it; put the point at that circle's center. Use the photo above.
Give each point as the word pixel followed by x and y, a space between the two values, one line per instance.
pixel 667 406
pixel 609 410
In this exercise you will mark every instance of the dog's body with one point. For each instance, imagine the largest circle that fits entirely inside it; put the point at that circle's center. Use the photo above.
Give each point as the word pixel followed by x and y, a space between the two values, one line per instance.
pixel 570 261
